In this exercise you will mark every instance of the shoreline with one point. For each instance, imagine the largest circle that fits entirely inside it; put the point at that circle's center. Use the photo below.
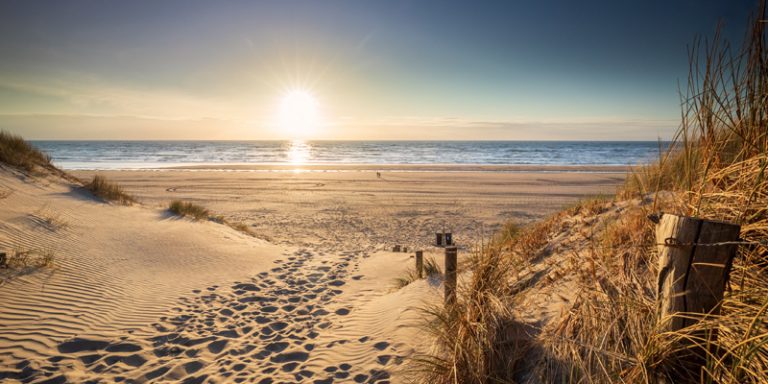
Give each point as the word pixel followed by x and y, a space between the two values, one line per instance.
pixel 293 168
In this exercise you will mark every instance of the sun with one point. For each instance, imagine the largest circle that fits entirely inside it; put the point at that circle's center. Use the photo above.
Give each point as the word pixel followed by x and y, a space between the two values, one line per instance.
pixel 299 117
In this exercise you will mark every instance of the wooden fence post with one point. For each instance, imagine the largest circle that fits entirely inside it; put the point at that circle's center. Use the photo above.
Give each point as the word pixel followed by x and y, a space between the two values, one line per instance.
pixel 420 264
pixel 692 274
pixel 450 275
pixel 439 239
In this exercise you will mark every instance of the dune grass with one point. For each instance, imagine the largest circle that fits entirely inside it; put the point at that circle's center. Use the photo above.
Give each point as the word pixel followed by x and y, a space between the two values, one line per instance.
pixel 715 169
pixel 198 212
pixel 431 269
pixel 188 209
pixel 18 153
pixel 21 258
pixel 109 191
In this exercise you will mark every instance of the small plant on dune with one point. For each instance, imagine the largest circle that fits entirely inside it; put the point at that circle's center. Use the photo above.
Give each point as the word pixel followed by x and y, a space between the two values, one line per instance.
pixel 431 270
pixel 198 212
pixel 21 258
pixel 50 218
pixel 16 152
pixel 185 208
pixel 591 206
pixel 242 227
pixel 109 191
pixel 189 209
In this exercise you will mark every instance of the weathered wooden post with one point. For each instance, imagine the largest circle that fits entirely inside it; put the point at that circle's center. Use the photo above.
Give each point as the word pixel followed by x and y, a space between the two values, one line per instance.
pixel 396 248
pixel 439 239
pixel 3 260
pixel 420 264
pixel 450 275
pixel 448 238
pixel 695 259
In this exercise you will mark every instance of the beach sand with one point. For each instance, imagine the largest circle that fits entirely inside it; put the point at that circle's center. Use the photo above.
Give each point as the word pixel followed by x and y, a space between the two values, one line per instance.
pixel 345 206
pixel 138 295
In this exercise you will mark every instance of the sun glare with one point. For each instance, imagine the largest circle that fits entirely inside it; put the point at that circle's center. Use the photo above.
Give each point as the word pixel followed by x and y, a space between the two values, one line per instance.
pixel 299 116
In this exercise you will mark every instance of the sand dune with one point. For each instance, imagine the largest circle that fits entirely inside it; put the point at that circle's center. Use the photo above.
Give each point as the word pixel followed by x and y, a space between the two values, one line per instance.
pixel 137 295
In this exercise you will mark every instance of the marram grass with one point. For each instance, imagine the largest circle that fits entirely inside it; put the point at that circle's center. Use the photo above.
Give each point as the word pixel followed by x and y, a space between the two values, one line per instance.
pixel 715 169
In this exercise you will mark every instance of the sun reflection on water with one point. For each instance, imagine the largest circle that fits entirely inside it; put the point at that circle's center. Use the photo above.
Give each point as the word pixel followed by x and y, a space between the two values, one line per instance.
pixel 298 153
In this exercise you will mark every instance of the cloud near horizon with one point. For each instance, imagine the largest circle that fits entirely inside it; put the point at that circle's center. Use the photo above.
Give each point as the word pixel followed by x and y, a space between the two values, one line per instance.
pixel 92 127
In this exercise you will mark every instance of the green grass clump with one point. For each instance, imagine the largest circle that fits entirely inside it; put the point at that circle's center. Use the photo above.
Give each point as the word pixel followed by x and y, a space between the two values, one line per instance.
pixel 109 191
pixel 18 153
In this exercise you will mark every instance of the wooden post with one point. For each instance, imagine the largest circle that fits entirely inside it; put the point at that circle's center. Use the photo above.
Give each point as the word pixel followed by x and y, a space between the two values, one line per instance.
pixel 3 260
pixel 692 275
pixel 448 238
pixel 420 264
pixel 405 249
pixel 439 239
pixel 396 248
pixel 450 275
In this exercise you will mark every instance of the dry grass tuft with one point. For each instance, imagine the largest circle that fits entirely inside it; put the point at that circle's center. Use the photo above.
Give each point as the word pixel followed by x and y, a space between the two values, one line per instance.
pixel 431 270
pixel 22 258
pixel 198 212
pixel 476 340
pixel 109 191
pixel 16 152
pixel 50 219
pixel 188 209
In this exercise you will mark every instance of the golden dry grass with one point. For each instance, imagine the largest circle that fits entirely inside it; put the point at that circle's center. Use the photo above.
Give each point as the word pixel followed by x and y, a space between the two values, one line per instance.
pixel 18 153
pixel 715 169
pixel 431 269
pixel 109 191
pixel 188 209
pixel 21 258
pixel 198 212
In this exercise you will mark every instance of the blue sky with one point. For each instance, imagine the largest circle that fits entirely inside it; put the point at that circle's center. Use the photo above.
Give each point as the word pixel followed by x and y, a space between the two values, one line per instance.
pixel 378 70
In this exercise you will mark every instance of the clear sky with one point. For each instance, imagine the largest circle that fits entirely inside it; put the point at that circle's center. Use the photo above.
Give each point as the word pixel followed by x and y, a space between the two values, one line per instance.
pixel 518 70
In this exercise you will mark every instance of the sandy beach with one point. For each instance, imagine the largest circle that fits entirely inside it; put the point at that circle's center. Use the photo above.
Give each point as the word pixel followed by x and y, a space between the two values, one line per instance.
pixel 139 295
pixel 335 207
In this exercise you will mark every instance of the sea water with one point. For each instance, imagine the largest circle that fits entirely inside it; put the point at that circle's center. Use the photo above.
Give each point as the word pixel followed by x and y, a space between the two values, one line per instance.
pixel 161 154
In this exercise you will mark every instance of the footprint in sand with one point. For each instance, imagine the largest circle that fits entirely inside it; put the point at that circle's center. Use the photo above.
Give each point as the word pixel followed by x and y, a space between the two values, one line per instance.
pixel 262 328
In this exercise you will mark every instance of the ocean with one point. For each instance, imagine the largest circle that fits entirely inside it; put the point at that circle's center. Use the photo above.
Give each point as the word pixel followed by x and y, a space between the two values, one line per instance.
pixel 103 155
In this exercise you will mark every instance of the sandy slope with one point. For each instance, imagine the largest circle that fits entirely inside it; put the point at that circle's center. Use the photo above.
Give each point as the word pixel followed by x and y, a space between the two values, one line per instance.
pixel 138 296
